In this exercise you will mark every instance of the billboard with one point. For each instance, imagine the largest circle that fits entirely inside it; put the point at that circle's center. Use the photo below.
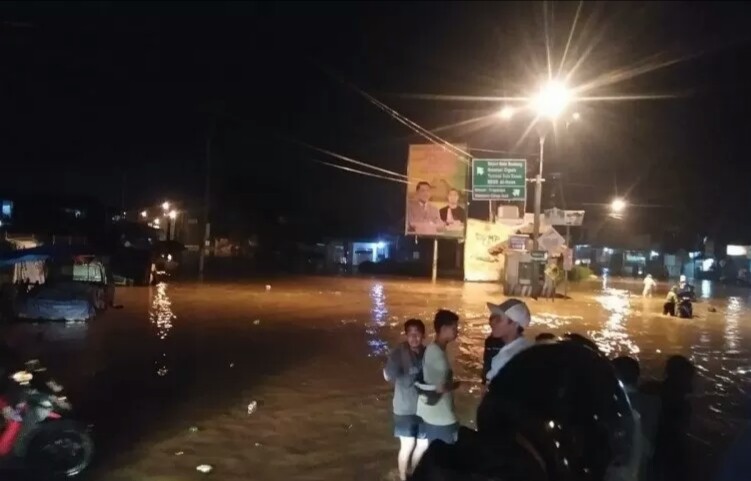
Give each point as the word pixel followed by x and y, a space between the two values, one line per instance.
pixel 436 192
pixel 483 250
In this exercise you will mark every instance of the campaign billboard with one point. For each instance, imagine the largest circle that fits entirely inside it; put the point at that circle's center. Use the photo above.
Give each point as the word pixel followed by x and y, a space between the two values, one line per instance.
pixel 436 191
pixel 484 247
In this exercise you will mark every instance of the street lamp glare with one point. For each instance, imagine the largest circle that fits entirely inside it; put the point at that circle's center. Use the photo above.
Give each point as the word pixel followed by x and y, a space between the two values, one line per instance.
pixel 506 113
pixel 165 205
pixel 618 205
pixel 551 100
pixel 144 213
pixel 173 214
pixel 576 116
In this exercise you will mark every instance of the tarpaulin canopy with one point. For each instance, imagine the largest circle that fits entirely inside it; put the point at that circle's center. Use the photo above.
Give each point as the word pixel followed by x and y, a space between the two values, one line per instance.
pixel 44 252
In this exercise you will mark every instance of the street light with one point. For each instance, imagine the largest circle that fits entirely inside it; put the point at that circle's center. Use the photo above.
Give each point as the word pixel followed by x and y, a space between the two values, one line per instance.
pixel 144 214
pixel 549 103
pixel 165 205
pixel 618 205
pixel 552 100
pixel 172 214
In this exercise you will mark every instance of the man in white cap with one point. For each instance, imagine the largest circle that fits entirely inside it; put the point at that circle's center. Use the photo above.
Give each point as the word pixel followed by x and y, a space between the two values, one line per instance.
pixel 508 321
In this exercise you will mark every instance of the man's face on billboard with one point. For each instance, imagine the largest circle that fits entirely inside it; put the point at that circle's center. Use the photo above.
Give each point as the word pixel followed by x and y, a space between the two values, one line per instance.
pixel 453 197
pixel 423 193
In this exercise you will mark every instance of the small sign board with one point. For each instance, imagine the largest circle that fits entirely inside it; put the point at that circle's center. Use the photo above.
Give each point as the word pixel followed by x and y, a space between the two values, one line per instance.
pixel 564 217
pixel 539 255
pixel 518 242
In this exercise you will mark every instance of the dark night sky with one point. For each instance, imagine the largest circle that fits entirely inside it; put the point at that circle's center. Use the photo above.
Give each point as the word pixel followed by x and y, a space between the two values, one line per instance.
pixel 94 91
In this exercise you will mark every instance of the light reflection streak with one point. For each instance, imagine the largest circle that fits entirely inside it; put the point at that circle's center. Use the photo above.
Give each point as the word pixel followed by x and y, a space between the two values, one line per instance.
pixel 553 321
pixel 613 338
pixel 379 315
pixel 706 289
pixel 731 334
pixel 161 316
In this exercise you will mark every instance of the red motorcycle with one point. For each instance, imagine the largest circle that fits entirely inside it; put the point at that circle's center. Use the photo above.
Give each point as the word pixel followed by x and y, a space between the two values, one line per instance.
pixel 37 436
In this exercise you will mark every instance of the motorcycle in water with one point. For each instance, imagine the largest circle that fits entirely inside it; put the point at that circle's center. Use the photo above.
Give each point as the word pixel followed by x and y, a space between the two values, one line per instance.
pixel 37 435
pixel 686 298
pixel 685 306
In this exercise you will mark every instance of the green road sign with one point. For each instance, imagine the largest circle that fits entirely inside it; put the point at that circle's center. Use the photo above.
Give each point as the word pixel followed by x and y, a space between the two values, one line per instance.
pixel 499 179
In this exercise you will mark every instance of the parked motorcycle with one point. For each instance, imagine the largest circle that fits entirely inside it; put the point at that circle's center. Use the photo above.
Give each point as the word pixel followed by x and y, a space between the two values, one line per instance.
pixel 37 435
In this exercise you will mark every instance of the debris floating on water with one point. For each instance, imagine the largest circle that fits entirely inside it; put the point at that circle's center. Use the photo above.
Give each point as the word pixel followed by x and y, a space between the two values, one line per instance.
pixel 179 453
pixel 204 468
pixel 252 407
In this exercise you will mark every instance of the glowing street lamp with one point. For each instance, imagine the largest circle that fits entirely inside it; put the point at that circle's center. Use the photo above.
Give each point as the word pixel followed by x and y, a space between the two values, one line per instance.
pixel 552 100
pixel 618 205
pixel 144 214
pixel 156 222
pixel 165 205
pixel 172 214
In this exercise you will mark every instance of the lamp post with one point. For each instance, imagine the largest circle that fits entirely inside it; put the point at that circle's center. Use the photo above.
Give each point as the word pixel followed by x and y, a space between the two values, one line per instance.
pixel 548 104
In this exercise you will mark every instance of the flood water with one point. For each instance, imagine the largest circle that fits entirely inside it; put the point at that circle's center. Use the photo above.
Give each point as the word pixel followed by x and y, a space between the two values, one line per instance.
pixel 166 381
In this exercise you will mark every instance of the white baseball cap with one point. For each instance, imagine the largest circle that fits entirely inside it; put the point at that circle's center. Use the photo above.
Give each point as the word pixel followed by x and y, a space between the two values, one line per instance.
pixel 682 278
pixel 514 309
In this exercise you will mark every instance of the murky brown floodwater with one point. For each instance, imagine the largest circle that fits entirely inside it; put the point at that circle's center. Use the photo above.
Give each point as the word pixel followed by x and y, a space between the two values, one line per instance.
pixel 309 351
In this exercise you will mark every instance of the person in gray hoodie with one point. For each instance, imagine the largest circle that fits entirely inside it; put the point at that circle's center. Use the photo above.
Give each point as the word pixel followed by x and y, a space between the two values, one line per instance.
pixel 402 369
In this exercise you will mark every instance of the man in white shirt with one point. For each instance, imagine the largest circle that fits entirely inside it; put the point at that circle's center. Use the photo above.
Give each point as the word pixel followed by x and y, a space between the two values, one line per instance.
pixel 507 322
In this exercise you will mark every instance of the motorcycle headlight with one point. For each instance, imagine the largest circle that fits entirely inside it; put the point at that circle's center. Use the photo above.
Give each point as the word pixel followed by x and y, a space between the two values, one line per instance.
pixel 22 377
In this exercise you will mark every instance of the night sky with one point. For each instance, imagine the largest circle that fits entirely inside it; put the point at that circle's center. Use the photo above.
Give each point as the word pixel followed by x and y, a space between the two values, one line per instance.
pixel 96 93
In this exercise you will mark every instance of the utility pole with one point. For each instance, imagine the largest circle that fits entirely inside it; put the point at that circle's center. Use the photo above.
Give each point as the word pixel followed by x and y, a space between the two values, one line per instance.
pixel 122 191
pixel 206 203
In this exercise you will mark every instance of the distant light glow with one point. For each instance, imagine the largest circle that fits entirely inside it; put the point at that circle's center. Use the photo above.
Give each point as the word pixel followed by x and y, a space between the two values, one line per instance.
pixel 733 250
pixel 654 254
pixel 144 214
pixel 706 265
pixel 165 205
pixel 172 214
pixel 156 222
pixel 576 116
pixel 380 244
pixel 552 99
pixel 618 205
pixel 506 113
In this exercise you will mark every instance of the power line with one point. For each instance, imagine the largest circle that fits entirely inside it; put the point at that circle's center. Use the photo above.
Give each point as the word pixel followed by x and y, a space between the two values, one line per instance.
pixel 345 158
pixel 361 172
pixel 400 118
